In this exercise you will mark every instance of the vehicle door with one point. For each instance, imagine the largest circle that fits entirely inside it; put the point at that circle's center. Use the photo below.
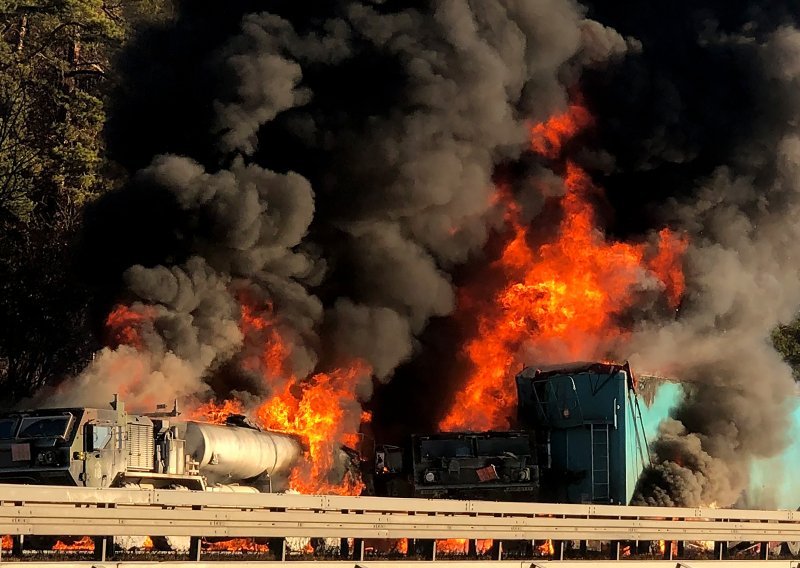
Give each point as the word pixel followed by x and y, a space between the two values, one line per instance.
pixel 99 451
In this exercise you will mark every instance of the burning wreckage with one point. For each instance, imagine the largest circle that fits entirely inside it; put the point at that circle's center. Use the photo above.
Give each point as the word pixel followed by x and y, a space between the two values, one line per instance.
pixel 581 441
pixel 94 447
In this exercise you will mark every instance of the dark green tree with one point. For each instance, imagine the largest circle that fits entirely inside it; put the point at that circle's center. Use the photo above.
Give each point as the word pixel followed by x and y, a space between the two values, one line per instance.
pixel 56 71
pixel 786 339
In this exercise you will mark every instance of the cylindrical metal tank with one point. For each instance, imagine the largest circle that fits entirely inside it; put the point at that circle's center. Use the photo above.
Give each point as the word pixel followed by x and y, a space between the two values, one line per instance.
pixel 223 488
pixel 234 453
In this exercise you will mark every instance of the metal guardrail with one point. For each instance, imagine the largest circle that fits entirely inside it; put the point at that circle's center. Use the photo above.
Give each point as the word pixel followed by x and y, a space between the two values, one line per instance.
pixel 29 510
pixel 427 564
pixel 48 510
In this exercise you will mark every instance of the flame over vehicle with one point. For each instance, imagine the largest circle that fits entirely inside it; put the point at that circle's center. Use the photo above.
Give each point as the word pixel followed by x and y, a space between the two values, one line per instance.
pixel 560 295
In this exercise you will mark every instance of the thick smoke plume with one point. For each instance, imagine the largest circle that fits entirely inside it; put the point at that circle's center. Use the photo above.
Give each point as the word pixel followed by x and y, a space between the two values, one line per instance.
pixel 305 183
pixel 338 167
pixel 742 274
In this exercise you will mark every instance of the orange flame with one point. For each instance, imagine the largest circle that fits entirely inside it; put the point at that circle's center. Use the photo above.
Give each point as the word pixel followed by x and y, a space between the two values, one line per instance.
pixel 148 543
pixel 236 545
pixel 125 324
pixel 7 543
pixel 558 300
pixel 460 546
pixel 667 264
pixel 217 412
pixel 322 409
pixel 546 548
pixel 319 410
pixel 85 544
pixel 548 138
pixel 452 546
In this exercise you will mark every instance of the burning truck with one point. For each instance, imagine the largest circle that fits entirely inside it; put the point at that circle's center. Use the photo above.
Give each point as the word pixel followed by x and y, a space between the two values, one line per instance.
pixel 94 447
pixel 581 440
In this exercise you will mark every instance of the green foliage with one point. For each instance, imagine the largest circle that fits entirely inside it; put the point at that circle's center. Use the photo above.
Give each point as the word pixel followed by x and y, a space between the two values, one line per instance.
pixel 20 160
pixel 56 67
pixel 786 339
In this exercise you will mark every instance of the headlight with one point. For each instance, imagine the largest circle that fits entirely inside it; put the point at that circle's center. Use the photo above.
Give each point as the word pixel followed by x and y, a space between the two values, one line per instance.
pixel 430 477
pixel 47 457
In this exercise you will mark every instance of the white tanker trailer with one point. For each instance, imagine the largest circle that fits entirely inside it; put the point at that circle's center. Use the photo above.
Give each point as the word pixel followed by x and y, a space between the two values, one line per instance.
pixel 224 453
pixel 94 447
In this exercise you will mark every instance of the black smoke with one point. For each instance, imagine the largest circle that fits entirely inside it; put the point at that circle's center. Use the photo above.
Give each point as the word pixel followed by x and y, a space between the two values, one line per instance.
pixel 336 163
pixel 333 163
pixel 702 128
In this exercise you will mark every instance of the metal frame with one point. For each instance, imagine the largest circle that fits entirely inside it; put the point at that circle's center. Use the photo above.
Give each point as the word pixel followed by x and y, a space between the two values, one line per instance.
pixel 424 564
pixel 122 512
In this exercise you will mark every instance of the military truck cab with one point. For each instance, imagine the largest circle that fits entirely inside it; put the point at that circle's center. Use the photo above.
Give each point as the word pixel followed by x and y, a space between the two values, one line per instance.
pixel 91 447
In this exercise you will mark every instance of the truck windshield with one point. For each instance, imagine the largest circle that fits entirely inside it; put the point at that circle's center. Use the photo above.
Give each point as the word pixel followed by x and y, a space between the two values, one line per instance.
pixel 7 428
pixel 44 426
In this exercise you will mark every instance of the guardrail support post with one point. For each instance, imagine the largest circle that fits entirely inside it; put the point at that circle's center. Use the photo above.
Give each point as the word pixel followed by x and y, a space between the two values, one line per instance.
pixel 613 550
pixel 426 548
pixel 17 544
pixel 344 548
pixel 358 549
pixel 195 548
pixel 102 546
pixel 558 549
pixel 472 548
pixel 681 552
pixel 497 549
pixel 763 551
pixel 720 550
pixel 277 546
pixel 667 550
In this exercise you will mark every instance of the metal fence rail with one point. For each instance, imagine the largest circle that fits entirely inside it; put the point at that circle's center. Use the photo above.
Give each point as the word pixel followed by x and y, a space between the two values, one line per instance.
pixel 109 513
pixel 124 512
pixel 427 564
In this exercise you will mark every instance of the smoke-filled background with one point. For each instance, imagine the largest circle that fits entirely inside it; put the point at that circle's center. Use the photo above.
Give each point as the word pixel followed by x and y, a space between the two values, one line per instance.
pixel 324 182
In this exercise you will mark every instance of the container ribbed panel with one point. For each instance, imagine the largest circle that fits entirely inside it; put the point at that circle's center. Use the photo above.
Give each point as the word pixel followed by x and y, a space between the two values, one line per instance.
pixel 141 446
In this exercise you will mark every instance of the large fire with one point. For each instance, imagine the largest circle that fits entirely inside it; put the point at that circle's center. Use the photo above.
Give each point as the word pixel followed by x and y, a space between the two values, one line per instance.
pixel 559 298
pixel 322 409
pixel 317 410
pixel 8 542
